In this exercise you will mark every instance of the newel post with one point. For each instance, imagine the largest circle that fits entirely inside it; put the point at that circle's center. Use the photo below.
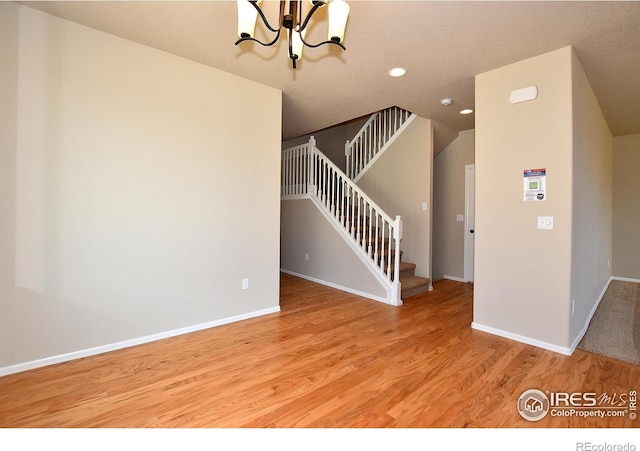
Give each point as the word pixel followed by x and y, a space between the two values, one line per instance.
pixel 310 161
pixel 397 237
pixel 347 154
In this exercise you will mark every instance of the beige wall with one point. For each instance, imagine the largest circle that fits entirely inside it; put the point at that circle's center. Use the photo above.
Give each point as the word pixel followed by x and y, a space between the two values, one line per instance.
pixel 592 204
pixel 400 182
pixel 448 202
pixel 129 204
pixel 305 231
pixel 522 274
pixel 626 206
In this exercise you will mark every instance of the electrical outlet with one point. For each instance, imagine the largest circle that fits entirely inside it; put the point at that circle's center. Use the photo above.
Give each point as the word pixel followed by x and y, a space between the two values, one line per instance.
pixel 245 284
pixel 306 257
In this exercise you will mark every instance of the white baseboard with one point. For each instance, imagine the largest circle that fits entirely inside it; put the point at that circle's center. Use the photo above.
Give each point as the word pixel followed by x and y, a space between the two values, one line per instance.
pixel 575 343
pixel 521 339
pixel 626 279
pixel 336 286
pixel 457 279
pixel 4 371
pixel 549 346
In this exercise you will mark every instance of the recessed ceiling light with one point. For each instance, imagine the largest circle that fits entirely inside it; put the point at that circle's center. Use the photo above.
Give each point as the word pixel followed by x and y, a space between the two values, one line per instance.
pixel 397 71
pixel 466 111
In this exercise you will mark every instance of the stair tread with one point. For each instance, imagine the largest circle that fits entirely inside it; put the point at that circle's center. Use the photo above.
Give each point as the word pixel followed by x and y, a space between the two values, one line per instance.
pixel 404 266
pixel 413 281
pixel 413 286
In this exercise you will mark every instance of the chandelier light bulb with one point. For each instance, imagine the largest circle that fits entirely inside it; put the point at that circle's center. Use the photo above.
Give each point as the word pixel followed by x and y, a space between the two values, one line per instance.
pixel 247 16
pixel 338 14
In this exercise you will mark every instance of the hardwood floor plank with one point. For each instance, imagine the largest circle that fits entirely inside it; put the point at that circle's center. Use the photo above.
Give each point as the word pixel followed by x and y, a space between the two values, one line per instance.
pixel 328 359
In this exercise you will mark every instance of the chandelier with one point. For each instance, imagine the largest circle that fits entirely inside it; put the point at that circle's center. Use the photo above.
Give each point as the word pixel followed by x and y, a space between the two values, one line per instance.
pixel 248 11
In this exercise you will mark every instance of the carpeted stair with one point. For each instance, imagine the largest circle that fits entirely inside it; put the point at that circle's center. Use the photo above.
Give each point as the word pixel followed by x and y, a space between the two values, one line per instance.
pixel 411 285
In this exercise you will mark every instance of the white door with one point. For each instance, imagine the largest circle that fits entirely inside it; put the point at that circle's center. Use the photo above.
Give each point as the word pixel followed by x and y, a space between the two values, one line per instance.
pixel 469 219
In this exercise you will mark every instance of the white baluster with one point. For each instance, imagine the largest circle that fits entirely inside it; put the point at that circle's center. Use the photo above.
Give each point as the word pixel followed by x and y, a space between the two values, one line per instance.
pixel 369 235
pixel 375 252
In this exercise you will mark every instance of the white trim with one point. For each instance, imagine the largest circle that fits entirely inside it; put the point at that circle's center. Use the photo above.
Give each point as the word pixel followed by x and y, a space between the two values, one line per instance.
pixel 549 346
pixel 457 279
pixel 386 145
pixel 625 279
pixel 575 343
pixel 4 371
pixel 336 286
pixel 469 221
pixel 521 339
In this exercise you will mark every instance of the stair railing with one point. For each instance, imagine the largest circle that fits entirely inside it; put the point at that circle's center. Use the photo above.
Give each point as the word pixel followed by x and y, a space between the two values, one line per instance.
pixel 374 235
pixel 362 150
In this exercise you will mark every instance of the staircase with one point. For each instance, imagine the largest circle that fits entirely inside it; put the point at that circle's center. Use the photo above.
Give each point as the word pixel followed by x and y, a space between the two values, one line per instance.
pixel 411 285
pixel 373 235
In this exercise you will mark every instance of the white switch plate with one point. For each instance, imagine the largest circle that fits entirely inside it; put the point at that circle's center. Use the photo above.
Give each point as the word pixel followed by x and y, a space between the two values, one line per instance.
pixel 425 206
pixel 245 284
pixel 545 222
pixel 459 218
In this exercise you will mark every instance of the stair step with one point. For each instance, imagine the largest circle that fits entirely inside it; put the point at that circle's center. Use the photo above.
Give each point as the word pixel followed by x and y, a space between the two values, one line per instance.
pixel 414 285
pixel 406 269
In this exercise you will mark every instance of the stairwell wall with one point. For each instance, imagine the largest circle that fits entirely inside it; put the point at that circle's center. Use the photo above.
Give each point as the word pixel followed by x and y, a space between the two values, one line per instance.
pixel 400 182
pixel 311 248
pixel 331 140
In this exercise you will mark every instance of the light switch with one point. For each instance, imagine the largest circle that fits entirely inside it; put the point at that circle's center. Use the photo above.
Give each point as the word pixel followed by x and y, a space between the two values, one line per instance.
pixel 425 206
pixel 459 218
pixel 545 222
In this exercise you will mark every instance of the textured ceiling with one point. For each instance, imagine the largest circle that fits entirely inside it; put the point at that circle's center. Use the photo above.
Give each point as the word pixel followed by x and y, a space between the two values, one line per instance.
pixel 443 45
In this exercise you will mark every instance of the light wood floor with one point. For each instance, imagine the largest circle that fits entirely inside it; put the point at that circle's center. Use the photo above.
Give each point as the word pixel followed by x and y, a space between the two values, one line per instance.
pixel 328 359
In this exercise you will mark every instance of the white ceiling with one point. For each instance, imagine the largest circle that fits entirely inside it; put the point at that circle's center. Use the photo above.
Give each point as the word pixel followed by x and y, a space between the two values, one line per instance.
pixel 443 45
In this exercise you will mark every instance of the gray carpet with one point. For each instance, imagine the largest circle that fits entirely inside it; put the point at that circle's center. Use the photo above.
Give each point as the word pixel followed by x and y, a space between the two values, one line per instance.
pixel 614 330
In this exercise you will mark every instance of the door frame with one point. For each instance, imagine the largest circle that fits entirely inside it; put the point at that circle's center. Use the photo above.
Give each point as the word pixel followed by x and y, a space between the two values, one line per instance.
pixel 469 220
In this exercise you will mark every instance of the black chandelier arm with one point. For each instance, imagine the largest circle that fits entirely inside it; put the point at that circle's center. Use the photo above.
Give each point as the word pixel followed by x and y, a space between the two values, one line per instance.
pixel 313 46
pixel 264 18
pixel 268 44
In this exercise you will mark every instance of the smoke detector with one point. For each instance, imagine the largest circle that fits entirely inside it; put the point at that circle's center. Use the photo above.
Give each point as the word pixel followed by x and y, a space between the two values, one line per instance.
pixel 446 102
